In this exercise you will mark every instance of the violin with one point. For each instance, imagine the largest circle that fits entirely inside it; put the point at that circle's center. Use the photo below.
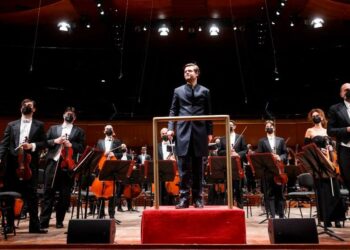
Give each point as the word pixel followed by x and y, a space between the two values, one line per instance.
pixel 332 156
pixel 23 171
pixel 67 157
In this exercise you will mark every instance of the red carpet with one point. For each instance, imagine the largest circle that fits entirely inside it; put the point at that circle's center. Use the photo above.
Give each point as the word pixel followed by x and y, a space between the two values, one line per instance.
pixel 210 225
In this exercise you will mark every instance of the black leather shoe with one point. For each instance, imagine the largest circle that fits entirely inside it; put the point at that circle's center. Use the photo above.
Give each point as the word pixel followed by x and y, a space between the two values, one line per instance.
pixel 120 209
pixel 59 225
pixel 44 226
pixel 198 204
pixel 37 231
pixel 337 224
pixel 8 230
pixel 183 203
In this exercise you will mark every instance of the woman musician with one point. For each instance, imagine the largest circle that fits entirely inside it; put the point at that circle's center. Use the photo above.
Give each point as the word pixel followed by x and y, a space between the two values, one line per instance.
pixel 326 187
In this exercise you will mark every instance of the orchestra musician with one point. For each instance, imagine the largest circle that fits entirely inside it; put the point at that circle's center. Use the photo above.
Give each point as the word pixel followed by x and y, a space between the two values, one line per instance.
pixel 143 156
pixel 273 192
pixel 62 138
pixel 192 138
pixel 13 138
pixel 111 146
pixel 238 149
pixel 334 203
pixel 339 127
pixel 124 156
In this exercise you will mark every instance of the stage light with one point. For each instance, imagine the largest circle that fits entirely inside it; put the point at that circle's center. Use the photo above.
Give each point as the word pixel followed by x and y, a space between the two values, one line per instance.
pixel 214 30
pixel 102 12
pixel 317 23
pixel 200 29
pixel 181 28
pixel 163 31
pixel 63 26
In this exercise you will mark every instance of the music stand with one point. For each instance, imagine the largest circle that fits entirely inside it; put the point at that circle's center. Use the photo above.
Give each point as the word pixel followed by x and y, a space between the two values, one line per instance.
pixel 315 163
pixel 115 170
pixel 262 165
pixel 86 165
pixel 167 171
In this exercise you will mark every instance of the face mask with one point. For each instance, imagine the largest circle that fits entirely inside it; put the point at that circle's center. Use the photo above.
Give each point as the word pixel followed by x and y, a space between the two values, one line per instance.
pixel 164 137
pixel 347 95
pixel 69 118
pixel 269 130
pixel 26 110
pixel 231 129
pixel 316 119
pixel 109 132
pixel 124 150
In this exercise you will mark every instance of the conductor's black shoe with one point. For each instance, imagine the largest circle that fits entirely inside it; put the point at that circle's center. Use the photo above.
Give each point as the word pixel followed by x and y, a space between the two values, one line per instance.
pixel 59 225
pixel 198 204
pixel 37 231
pixel 183 203
pixel 8 230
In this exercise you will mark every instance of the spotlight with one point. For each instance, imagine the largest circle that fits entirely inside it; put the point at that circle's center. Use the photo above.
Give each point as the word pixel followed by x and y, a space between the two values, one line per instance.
pixel 63 26
pixel 163 31
pixel 291 24
pixel 214 30
pixel 88 26
pixel 317 23
pixel 144 28
pixel 102 12
pixel 200 29
pixel 181 28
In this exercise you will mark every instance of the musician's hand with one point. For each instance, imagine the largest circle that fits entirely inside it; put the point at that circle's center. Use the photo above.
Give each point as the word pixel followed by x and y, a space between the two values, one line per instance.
pixel 27 146
pixel 234 153
pixel 277 157
pixel 110 154
pixel 67 144
pixel 60 140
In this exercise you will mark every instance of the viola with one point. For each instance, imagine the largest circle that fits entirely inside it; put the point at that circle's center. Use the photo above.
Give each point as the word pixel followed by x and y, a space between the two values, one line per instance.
pixel 67 157
pixel 23 171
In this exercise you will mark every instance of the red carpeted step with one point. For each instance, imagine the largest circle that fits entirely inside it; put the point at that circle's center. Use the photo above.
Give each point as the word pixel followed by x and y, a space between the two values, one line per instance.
pixel 210 225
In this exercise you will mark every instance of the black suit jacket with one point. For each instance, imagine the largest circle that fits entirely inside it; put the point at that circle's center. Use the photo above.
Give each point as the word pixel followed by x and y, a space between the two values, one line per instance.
pixel 11 140
pixel 115 144
pixel 76 137
pixel 191 103
pixel 239 146
pixel 139 159
pixel 338 120
pixel 281 148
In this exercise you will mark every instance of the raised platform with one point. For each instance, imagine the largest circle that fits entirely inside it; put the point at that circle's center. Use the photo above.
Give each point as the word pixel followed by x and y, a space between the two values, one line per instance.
pixel 210 225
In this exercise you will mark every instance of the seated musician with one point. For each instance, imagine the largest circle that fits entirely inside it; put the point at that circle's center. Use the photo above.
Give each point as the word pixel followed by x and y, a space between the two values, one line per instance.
pixel 273 192
pixel 318 135
pixel 111 146
pixel 239 149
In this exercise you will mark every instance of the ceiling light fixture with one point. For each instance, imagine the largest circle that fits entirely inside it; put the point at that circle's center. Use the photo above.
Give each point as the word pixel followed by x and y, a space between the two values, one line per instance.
pixel 63 26
pixel 317 23
pixel 163 31
pixel 214 30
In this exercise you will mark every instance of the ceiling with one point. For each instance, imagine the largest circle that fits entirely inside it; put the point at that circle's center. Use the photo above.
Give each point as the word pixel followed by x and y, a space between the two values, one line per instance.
pixel 117 70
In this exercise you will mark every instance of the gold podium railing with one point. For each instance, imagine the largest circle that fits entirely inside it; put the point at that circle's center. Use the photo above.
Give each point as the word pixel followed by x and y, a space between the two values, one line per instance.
pixel 225 118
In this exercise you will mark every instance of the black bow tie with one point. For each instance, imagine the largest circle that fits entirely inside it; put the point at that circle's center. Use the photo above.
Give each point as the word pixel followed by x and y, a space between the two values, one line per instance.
pixel 26 121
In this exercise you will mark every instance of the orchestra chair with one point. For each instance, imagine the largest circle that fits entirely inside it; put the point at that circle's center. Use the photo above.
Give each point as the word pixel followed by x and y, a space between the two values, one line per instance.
pixel 305 181
pixel 344 193
pixel 5 198
pixel 74 201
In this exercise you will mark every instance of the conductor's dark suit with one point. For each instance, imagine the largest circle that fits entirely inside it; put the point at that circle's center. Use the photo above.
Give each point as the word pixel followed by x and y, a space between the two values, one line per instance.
pixel 62 181
pixel 338 122
pixel 8 154
pixel 191 136
pixel 273 192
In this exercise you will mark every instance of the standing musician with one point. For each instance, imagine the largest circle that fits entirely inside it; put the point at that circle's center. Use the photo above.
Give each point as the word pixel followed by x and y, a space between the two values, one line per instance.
pixel 143 156
pixel 273 192
pixel 124 156
pixel 25 135
pixel 111 146
pixel 339 127
pixel 238 149
pixel 326 188
pixel 65 142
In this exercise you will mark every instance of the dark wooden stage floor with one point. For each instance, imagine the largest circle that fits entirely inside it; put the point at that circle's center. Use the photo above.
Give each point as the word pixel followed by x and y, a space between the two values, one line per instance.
pixel 128 235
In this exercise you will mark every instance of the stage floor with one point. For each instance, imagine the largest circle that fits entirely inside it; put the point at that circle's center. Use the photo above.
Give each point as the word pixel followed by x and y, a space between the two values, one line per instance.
pixel 128 232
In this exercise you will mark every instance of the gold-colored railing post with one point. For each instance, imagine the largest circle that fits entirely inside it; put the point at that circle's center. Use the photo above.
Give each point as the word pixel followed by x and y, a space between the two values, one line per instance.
pixel 226 118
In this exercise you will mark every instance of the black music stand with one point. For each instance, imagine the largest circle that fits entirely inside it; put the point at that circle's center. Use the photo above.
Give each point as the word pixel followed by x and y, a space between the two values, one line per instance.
pixel 263 165
pixel 217 170
pixel 315 163
pixel 167 172
pixel 85 167
pixel 114 170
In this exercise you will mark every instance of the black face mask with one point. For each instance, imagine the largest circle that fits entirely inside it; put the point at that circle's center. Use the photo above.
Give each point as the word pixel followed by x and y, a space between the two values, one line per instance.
pixel 123 150
pixel 347 95
pixel 109 132
pixel 316 119
pixel 231 129
pixel 26 110
pixel 164 137
pixel 69 118
pixel 269 130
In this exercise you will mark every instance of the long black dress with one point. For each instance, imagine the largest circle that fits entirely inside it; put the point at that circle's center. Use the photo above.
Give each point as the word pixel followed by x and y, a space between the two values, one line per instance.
pixel 329 204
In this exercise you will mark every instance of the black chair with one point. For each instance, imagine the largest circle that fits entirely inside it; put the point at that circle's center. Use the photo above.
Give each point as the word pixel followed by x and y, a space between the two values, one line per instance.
pixel 305 195
pixel 6 198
